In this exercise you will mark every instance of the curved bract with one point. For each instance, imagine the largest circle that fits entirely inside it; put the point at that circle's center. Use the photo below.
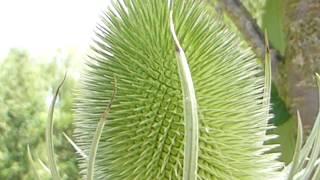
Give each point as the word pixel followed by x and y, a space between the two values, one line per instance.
pixel 143 137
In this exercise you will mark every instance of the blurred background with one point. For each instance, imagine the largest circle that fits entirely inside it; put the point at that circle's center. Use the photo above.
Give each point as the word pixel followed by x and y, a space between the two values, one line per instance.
pixel 39 41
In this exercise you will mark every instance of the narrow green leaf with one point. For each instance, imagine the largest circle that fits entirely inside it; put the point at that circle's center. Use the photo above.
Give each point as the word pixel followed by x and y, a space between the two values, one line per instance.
pixel 296 156
pixel 34 170
pixel 190 108
pixel 78 150
pixel 49 135
pixel 97 135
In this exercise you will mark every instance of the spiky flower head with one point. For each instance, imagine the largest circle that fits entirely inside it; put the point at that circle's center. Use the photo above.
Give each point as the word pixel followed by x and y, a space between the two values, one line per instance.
pixel 144 134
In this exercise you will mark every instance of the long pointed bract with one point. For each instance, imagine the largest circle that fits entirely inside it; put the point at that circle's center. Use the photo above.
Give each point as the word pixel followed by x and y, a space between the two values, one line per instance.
pixel 31 161
pixel 49 135
pixel 190 109
pixel 97 136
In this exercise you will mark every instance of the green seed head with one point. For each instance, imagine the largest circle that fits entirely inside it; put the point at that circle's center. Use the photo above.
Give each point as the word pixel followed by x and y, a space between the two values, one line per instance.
pixel 143 137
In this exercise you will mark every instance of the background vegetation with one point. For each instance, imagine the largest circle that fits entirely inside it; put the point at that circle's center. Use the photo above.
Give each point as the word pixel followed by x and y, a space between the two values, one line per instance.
pixel 26 90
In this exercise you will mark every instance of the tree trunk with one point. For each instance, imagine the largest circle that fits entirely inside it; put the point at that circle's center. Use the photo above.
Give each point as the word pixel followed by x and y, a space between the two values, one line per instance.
pixel 296 81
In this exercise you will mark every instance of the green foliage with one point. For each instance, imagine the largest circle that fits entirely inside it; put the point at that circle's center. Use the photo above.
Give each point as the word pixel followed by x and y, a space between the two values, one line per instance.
pixel 144 135
pixel 20 113
pixel 25 87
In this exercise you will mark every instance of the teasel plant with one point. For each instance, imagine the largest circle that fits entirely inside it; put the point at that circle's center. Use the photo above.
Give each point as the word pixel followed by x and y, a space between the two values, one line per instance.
pixel 170 92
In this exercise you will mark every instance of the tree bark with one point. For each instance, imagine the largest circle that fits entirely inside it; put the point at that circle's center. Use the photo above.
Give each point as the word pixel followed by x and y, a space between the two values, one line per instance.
pixel 302 60
pixel 249 28
pixel 294 77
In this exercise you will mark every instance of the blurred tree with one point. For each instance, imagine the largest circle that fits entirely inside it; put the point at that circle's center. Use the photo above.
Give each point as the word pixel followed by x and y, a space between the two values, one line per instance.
pixel 26 87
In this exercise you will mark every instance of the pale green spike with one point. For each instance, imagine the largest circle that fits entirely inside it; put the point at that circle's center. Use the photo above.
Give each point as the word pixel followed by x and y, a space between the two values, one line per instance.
pixel 74 145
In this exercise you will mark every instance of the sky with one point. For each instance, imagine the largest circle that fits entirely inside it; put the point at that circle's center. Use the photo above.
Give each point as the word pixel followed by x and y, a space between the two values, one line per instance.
pixel 42 26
